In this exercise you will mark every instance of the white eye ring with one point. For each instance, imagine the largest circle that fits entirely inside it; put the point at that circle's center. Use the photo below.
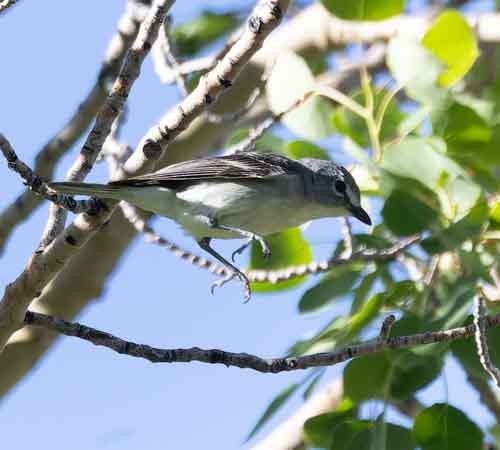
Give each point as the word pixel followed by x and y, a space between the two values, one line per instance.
pixel 340 186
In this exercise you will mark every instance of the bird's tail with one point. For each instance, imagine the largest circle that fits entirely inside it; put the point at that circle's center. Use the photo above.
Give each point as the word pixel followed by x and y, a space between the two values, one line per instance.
pixel 90 189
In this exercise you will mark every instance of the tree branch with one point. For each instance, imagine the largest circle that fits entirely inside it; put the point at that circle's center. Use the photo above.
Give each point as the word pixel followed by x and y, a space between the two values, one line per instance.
pixel 481 339
pixel 110 110
pixel 6 4
pixel 63 140
pixel 42 268
pixel 36 184
pixel 245 360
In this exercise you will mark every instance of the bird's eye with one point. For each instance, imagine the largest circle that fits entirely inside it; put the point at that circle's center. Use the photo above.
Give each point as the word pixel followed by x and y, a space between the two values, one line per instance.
pixel 340 186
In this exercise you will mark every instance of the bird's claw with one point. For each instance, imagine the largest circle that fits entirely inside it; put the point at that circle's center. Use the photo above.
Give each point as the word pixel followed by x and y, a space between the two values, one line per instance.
pixel 231 276
pixel 266 251
pixel 239 251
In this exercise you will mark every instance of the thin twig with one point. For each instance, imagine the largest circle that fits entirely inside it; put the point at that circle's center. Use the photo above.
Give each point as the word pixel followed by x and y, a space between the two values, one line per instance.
pixel 245 360
pixel 287 273
pixel 165 60
pixel 110 110
pixel 36 184
pixel 168 75
pixel 480 323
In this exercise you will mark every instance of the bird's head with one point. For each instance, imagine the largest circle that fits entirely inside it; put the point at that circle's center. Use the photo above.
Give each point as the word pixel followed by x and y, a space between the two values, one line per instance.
pixel 338 187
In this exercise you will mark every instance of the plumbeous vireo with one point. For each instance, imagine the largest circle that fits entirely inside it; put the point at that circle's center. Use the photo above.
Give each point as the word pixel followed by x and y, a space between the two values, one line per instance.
pixel 245 195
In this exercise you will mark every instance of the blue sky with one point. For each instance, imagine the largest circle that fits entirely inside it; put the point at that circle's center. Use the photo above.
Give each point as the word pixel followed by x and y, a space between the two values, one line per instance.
pixel 92 397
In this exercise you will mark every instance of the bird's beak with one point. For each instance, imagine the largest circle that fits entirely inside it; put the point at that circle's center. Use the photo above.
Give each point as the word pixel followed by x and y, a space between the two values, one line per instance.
pixel 361 215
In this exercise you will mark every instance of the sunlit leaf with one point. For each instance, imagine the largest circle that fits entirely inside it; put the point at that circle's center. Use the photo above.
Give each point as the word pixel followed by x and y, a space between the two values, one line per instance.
pixel 452 41
pixel 422 160
pixel 311 120
pixel 288 249
pixel 417 70
pixel 364 9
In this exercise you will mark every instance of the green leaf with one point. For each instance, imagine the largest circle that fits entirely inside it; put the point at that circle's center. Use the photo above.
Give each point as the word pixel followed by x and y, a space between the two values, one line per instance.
pixel 192 36
pixel 312 385
pixel 465 351
pixel 311 120
pixel 364 9
pixel 424 161
pixel 319 430
pixel 405 215
pixel 495 212
pixel 412 372
pixel 275 404
pixel 336 283
pixel 396 438
pixel 304 149
pixel 366 314
pixel 266 143
pixel 452 41
pixel 375 368
pixel 416 69
pixel 362 292
pixel 399 292
pixel 459 124
pixel 444 427
pixel 288 248
pixel 453 236
pixel 345 433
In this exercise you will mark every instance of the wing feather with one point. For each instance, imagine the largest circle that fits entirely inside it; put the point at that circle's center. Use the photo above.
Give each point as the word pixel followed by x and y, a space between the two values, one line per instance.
pixel 236 166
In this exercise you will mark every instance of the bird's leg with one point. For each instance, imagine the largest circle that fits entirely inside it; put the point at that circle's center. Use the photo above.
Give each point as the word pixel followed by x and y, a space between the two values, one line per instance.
pixel 266 251
pixel 204 243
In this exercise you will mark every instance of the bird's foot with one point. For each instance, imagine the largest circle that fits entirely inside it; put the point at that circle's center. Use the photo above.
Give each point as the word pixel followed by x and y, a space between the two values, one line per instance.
pixel 266 251
pixel 232 275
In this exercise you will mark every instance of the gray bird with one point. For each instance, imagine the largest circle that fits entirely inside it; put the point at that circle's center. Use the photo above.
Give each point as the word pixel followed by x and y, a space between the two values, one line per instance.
pixel 246 195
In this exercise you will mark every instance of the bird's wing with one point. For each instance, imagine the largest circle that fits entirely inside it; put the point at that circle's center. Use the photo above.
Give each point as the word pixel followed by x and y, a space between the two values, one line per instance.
pixel 237 166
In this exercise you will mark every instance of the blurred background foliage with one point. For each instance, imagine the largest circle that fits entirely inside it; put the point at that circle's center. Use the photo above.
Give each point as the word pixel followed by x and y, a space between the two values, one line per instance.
pixel 425 152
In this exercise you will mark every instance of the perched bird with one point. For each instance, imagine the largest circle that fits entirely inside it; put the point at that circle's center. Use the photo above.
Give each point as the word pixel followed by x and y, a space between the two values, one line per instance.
pixel 245 195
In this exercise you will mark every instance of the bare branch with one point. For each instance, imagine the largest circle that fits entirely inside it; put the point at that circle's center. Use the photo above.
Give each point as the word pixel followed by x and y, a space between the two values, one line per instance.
pixel 6 4
pixel 165 60
pixel 42 268
pixel 385 329
pixel 245 360
pixel 277 276
pixel 110 110
pixel 62 141
pixel 36 184
pixel 480 322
